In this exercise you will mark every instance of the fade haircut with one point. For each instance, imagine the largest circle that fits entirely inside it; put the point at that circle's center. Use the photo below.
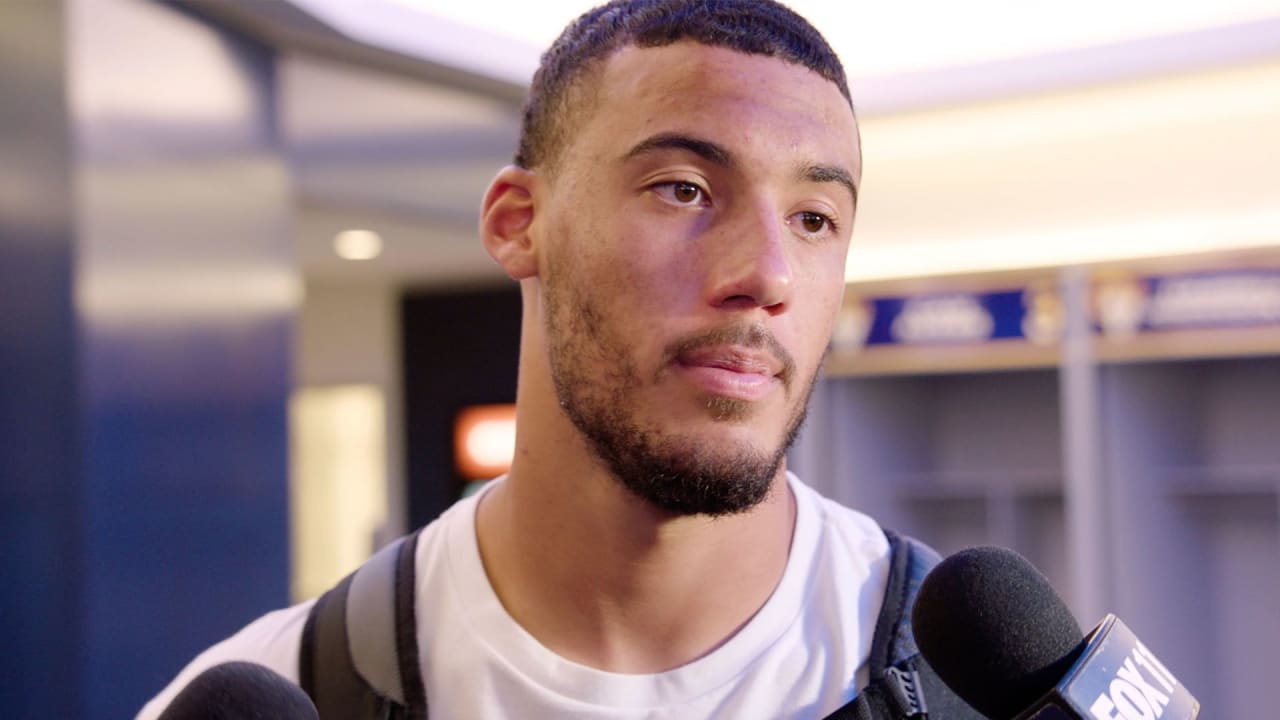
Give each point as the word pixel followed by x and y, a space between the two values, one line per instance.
pixel 756 27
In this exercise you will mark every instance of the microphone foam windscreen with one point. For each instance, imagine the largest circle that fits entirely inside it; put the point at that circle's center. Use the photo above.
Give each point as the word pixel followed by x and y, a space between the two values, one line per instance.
pixel 994 630
pixel 240 691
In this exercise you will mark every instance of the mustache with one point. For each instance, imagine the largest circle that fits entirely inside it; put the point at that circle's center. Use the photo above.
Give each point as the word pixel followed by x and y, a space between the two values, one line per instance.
pixel 754 336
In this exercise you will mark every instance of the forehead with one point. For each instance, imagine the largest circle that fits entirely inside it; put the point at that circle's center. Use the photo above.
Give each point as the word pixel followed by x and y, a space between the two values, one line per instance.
pixel 755 104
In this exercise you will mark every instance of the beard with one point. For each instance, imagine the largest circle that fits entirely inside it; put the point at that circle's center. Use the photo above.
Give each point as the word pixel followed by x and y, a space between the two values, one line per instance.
pixel 597 383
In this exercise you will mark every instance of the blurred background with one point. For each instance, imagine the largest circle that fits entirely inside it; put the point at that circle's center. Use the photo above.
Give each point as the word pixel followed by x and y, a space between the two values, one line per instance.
pixel 248 334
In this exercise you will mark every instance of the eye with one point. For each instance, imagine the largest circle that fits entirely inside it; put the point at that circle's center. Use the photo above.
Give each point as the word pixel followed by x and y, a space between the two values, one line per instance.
pixel 681 193
pixel 812 223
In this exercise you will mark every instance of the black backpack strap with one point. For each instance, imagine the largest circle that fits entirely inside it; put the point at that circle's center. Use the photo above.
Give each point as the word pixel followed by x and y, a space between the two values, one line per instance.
pixel 909 561
pixel 898 694
pixel 415 694
pixel 895 689
pixel 359 653
pixel 903 686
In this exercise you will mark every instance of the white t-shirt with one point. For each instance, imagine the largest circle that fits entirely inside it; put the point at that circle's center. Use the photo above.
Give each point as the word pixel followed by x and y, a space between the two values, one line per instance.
pixel 800 656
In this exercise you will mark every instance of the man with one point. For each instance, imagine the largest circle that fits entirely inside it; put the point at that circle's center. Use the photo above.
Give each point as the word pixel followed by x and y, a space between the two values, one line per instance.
pixel 678 219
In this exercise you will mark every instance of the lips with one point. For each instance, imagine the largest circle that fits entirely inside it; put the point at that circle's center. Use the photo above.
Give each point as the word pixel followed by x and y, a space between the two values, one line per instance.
pixel 731 372
pixel 733 359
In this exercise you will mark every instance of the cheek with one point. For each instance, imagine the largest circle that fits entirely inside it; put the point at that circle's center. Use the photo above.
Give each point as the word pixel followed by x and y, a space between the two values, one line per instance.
pixel 819 279
pixel 650 271
pixel 622 292
pixel 818 296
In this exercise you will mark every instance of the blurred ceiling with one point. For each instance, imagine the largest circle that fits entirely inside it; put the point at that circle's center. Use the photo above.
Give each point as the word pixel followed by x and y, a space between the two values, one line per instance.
pixel 1004 134
pixel 405 158
pixel 876 39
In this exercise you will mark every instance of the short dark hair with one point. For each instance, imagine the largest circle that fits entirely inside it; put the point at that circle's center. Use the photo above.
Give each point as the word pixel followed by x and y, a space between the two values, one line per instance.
pixel 757 27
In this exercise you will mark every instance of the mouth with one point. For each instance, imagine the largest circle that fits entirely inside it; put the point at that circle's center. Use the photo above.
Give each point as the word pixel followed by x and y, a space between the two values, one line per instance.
pixel 733 359
pixel 738 363
pixel 731 375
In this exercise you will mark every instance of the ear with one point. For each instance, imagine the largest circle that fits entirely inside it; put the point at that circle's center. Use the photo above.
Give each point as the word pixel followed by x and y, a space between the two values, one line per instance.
pixel 506 218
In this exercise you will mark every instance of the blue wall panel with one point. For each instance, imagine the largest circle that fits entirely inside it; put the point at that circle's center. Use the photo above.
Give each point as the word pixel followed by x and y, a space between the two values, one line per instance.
pixel 185 506
pixel 39 481
pixel 147 289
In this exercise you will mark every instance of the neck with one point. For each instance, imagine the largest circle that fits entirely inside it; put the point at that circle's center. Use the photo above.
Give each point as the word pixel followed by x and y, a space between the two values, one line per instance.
pixel 604 579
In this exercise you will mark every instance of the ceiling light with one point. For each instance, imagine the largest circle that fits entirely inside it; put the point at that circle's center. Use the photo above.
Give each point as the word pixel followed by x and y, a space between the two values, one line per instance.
pixel 357 244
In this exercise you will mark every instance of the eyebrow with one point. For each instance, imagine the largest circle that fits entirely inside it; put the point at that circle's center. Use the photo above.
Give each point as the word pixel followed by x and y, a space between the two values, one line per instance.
pixel 705 149
pixel 831 174
pixel 720 155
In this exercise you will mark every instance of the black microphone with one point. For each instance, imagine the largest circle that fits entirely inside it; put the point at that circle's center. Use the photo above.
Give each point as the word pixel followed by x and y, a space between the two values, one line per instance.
pixel 240 691
pixel 997 634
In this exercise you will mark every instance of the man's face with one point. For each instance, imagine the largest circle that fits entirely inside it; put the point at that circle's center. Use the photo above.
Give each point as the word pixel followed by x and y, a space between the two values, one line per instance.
pixel 693 242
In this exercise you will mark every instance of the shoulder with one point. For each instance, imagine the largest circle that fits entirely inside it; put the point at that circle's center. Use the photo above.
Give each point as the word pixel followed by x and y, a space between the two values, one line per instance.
pixel 271 640
pixel 274 640
pixel 846 553
pixel 848 528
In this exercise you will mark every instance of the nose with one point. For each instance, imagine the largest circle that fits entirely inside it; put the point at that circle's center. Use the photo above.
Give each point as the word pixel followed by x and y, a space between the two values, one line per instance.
pixel 750 265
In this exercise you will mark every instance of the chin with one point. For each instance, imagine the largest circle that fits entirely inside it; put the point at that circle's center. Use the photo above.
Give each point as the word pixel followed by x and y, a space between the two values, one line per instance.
pixel 704 474
pixel 730 437
pixel 691 465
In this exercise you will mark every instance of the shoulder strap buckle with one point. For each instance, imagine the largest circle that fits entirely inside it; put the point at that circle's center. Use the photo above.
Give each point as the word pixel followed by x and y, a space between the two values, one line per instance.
pixel 904 692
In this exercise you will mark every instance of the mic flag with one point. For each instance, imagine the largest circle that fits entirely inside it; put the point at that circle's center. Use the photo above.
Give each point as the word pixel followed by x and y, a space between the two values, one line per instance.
pixel 994 630
pixel 1117 678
